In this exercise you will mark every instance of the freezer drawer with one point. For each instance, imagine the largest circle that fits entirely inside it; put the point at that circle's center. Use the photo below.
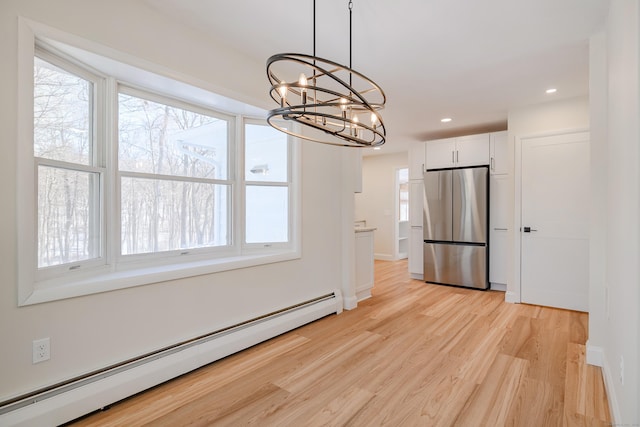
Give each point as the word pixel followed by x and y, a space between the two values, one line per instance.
pixel 460 265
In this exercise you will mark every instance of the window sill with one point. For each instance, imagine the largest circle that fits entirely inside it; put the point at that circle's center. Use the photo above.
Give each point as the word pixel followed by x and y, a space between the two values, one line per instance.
pixel 105 281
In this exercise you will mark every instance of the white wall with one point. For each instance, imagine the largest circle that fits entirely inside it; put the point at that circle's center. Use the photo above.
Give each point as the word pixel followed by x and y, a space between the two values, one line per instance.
pixel 550 117
pixel 90 332
pixel 376 204
pixel 614 108
pixel 598 99
pixel 620 337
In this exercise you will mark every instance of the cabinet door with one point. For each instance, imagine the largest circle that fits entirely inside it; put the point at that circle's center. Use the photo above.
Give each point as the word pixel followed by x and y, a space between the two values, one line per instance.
pixel 498 245
pixel 416 261
pixel 416 160
pixel 440 153
pixel 416 203
pixel 473 150
pixel 499 202
pixel 498 224
pixel 499 155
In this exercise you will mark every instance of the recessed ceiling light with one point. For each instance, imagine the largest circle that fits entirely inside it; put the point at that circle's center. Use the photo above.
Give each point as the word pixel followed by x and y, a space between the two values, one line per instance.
pixel 377 148
pixel 446 120
pixel 552 90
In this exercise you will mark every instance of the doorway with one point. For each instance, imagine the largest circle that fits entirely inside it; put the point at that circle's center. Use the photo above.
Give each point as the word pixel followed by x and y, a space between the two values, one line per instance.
pixel 554 232
pixel 402 213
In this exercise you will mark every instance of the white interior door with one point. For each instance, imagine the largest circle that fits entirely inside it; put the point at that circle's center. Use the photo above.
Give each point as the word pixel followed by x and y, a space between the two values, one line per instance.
pixel 555 221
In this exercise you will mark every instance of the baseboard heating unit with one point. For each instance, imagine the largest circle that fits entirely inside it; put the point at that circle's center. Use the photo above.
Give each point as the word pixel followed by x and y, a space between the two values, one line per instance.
pixel 78 396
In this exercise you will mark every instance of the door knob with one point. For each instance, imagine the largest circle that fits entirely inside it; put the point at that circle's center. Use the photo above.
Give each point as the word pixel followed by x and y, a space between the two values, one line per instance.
pixel 528 229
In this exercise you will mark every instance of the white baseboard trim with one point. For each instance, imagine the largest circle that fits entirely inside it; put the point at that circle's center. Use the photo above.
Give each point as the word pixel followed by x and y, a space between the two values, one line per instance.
pixel 384 257
pixel 611 393
pixel 339 301
pixel 76 402
pixel 498 287
pixel 349 303
pixel 511 297
pixel 416 276
pixel 363 294
pixel 595 355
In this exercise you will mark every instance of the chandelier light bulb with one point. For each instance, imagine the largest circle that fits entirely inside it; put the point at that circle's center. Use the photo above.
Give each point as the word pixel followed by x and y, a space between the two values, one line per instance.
pixel 302 81
pixel 283 93
pixel 343 107
pixel 283 89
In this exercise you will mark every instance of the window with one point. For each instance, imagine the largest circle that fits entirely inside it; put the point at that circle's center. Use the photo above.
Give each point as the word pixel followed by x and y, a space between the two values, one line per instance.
pixel 67 164
pixel 134 184
pixel 267 183
pixel 174 176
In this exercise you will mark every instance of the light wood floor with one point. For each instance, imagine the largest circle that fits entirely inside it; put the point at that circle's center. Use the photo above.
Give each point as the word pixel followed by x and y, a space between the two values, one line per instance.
pixel 412 355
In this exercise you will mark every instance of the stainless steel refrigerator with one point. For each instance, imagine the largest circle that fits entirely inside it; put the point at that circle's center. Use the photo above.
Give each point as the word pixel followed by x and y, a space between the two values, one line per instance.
pixel 456 223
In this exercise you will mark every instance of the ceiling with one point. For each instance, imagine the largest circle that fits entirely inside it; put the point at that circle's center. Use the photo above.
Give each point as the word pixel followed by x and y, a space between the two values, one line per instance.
pixel 465 59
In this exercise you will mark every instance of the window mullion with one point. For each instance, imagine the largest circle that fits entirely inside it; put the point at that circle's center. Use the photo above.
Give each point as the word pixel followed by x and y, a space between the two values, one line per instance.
pixel 41 161
pixel 267 183
pixel 144 175
pixel 111 199
pixel 238 227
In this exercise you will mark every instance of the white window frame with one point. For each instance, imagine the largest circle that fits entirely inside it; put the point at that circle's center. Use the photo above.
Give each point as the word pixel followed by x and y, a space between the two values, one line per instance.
pixel 113 271
pixel 233 143
pixel 97 162
pixel 291 160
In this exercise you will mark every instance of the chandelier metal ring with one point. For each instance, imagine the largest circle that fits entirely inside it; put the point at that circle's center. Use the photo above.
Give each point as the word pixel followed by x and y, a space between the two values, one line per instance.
pixel 314 92
pixel 326 102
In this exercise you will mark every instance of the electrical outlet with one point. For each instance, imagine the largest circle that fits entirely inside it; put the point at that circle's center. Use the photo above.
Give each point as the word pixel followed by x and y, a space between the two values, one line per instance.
pixel 41 350
pixel 622 370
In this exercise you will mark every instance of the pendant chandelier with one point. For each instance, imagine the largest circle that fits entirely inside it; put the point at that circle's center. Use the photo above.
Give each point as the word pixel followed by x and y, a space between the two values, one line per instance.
pixel 335 104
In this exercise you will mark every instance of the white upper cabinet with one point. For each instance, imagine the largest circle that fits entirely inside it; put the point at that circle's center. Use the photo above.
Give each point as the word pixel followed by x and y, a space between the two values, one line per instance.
pixel 472 150
pixel 440 153
pixel 463 151
pixel 499 153
pixel 416 160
